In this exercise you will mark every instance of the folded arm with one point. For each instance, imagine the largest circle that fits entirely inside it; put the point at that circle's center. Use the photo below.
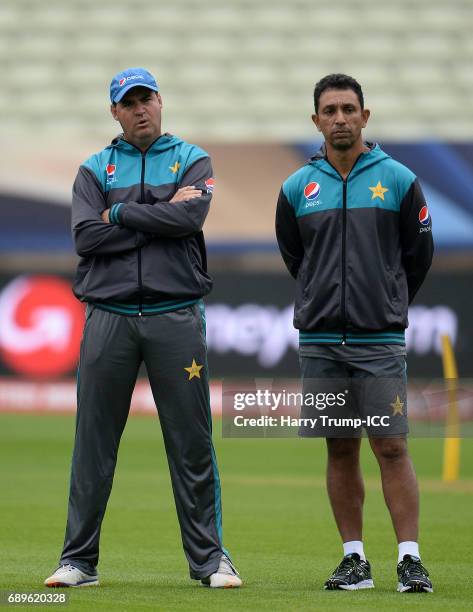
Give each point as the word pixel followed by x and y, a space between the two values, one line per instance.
pixel 90 234
pixel 181 216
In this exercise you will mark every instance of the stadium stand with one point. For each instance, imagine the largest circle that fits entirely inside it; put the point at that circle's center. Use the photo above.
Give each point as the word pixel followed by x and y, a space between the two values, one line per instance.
pixel 238 71
pixel 237 78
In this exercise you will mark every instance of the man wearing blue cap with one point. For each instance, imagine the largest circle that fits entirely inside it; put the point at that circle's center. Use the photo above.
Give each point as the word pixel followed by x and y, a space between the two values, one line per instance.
pixel 138 210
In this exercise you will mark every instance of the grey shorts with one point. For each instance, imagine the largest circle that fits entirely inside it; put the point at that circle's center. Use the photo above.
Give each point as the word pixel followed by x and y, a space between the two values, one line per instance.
pixel 341 398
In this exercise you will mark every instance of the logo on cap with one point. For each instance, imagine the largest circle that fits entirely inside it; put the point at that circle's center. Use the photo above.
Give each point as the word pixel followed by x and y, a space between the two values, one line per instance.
pixel 125 80
pixel 312 191
pixel 210 184
pixel 424 216
pixel 132 77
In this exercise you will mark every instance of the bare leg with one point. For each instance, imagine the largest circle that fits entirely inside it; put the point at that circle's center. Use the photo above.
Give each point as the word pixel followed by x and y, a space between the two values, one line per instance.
pixel 400 488
pixel 345 486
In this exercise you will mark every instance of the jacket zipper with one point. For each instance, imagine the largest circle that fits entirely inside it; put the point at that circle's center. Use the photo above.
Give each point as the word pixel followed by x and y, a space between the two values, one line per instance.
pixel 142 199
pixel 344 261
pixel 344 245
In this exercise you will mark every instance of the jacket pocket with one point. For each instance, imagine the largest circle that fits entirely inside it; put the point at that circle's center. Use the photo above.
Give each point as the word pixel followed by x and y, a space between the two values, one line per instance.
pixel 393 286
pixel 199 274
pixel 302 284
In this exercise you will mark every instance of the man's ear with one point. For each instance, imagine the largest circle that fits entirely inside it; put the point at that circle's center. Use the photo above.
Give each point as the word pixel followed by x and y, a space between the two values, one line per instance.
pixel 366 115
pixel 113 110
pixel 315 119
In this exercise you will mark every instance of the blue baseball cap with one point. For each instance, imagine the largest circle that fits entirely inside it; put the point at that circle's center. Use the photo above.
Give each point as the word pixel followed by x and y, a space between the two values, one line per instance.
pixel 126 80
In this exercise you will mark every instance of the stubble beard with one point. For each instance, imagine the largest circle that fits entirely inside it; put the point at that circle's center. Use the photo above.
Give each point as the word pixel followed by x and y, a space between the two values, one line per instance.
pixel 343 145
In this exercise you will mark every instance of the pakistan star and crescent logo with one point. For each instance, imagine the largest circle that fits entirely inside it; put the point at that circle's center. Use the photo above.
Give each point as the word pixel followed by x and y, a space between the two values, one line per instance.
pixel 378 191
pixel 397 406
pixel 175 168
pixel 194 370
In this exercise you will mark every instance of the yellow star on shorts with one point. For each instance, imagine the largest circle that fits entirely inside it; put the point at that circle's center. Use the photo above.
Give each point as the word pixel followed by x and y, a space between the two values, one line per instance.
pixel 175 168
pixel 378 191
pixel 194 370
pixel 397 406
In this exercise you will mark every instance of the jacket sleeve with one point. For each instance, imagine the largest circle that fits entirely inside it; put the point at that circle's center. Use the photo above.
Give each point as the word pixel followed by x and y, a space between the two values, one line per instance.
pixel 170 219
pixel 416 238
pixel 91 235
pixel 288 236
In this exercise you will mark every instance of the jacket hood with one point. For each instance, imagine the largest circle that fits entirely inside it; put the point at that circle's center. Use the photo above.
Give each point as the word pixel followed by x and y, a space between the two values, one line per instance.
pixel 369 158
pixel 163 143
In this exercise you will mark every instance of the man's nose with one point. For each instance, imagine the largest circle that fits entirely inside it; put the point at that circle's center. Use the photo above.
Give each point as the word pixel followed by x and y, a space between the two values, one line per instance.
pixel 339 116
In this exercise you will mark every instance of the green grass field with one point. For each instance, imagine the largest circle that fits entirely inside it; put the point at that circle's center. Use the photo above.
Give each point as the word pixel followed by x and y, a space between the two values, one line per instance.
pixel 276 521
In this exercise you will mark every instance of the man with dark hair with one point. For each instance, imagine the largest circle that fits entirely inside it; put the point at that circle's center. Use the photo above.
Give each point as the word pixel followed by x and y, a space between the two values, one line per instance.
pixel 355 232
pixel 138 209
pixel 337 81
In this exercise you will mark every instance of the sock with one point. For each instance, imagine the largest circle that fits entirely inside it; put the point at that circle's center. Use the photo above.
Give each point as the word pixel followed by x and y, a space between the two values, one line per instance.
pixel 408 548
pixel 355 546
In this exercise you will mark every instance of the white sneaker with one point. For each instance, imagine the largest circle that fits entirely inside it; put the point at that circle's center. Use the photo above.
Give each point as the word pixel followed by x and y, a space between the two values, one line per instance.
pixel 69 576
pixel 226 576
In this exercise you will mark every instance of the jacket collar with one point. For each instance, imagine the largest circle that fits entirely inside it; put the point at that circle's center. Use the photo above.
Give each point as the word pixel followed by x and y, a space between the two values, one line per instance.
pixel 365 160
pixel 322 152
pixel 163 143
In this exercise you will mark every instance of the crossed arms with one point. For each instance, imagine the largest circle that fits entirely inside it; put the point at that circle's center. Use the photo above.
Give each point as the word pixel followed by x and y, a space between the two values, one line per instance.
pixel 136 224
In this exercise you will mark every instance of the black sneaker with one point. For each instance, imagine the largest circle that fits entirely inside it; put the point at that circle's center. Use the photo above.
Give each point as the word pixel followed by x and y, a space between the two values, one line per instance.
pixel 352 574
pixel 412 576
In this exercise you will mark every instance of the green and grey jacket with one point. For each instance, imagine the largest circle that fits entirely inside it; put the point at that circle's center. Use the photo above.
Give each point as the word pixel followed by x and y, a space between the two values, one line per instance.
pixel 151 258
pixel 358 248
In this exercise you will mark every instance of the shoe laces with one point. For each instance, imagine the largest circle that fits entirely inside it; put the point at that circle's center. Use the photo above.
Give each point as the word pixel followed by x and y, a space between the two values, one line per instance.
pixel 227 567
pixel 347 566
pixel 67 568
pixel 412 567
